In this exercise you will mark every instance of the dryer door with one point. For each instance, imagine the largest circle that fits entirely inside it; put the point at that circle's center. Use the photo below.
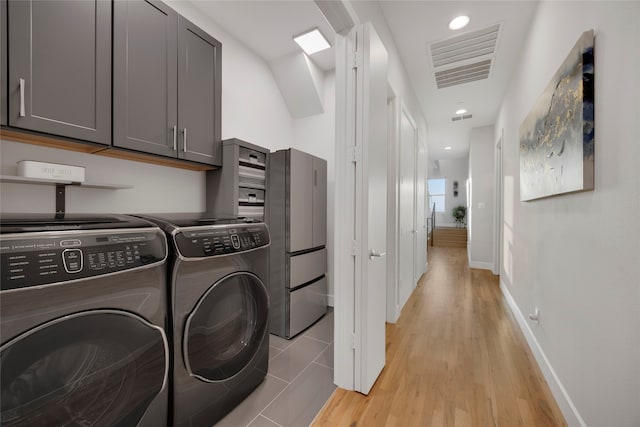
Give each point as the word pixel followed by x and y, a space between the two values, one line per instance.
pixel 224 331
pixel 97 368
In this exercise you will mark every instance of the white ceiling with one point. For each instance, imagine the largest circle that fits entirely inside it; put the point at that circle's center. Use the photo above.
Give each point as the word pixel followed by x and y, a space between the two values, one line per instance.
pixel 417 24
pixel 267 28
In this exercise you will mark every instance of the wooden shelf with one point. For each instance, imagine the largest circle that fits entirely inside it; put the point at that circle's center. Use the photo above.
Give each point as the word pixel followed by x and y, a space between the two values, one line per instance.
pixel 55 182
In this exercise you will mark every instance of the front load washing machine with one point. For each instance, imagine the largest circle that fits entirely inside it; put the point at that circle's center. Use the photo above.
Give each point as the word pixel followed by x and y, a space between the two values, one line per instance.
pixel 219 302
pixel 82 321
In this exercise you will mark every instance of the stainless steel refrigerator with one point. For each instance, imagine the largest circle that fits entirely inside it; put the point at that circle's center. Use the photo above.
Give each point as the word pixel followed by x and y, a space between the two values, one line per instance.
pixel 297 218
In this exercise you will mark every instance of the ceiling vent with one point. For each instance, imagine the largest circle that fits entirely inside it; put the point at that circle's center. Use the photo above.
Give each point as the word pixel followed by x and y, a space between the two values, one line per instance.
pixel 465 117
pixel 465 58
pixel 463 74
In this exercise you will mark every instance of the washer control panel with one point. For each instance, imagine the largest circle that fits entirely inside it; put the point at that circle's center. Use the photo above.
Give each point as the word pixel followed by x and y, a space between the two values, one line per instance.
pixel 207 241
pixel 33 260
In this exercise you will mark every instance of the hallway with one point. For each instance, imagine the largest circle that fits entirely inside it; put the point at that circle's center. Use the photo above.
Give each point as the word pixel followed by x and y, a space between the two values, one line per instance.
pixel 455 358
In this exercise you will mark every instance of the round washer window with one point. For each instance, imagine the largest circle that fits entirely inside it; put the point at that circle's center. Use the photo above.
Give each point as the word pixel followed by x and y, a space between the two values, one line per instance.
pixel 97 368
pixel 224 331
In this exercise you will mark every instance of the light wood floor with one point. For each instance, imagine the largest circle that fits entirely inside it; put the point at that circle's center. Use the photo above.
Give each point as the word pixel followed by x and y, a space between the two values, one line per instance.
pixel 454 358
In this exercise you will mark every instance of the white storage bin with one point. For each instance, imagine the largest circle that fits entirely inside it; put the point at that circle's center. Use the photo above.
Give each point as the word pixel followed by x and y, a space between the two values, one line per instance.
pixel 34 169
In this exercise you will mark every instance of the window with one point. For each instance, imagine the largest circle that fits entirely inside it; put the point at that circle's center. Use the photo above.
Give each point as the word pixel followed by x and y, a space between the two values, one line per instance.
pixel 436 193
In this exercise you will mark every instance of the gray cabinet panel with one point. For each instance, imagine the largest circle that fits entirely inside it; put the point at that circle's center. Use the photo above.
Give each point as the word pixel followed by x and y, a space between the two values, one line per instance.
pixel 300 209
pixel 199 87
pixel 238 189
pixel 319 202
pixel 4 118
pixel 145 92
pixel 60 68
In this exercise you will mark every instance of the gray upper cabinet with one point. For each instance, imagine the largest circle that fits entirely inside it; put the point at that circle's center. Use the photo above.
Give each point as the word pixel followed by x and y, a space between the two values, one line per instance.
pixel 199 96
pixel 4 117
pixel 60 68
pixel 166 84
pixel 145 83
pixel 319 202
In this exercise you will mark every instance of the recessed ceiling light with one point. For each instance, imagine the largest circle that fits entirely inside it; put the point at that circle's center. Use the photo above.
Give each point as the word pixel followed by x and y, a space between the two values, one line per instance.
pixel 312 41
pixel 447 148
pixel 458 22
pixel 461 111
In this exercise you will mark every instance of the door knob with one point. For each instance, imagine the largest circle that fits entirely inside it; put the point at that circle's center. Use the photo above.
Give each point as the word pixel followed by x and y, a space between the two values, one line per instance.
pixel 373 254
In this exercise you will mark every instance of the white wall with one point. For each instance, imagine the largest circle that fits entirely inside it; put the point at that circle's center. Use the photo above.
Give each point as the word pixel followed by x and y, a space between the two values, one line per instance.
pixel 155 188
pixel 316 135
pixel 452 170
pixel 400 84
pixel 252 109
pixel 480 216
pixel 577 256
pixel 368 11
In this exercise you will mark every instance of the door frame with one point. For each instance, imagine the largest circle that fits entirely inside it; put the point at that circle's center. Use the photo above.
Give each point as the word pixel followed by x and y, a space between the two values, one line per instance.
pixel 359 344
pixel 404 111
pixel 344 207
pixel 416 153
pixel 393 207
pixel 498 197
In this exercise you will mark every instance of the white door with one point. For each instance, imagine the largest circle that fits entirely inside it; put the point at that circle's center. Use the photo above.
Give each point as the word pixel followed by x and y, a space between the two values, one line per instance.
pixel 371 132
pixel 421 211
pixel 361 192
pixel 407 211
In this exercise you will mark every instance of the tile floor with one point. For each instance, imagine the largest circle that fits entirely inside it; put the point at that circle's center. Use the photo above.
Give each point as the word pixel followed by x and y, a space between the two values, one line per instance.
pixel 299 381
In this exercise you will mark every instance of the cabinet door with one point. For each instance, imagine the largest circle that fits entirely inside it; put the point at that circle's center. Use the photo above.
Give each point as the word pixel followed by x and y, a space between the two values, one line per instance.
pixel 60 68
pixel 145 93
pixel 199 98
pixel 300 207
pixel 4 118
pixel 319 202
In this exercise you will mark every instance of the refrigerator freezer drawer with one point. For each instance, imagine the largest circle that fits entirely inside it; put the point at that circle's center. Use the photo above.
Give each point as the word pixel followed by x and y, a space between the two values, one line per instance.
pixel 307 305
pixel 306 267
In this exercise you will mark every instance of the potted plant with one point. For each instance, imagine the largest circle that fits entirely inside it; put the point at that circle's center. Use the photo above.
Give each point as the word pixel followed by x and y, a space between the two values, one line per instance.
pixel 459 213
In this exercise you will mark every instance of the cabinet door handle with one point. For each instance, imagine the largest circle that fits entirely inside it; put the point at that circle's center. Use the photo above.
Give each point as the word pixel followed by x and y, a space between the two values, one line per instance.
pixel 22 112
pixel 315 177
pixel 175 137
pixel 184 139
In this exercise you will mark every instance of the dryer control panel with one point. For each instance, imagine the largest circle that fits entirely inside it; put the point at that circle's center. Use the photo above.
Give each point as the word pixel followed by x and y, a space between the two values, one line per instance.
pixel 40 259
pixel 208 241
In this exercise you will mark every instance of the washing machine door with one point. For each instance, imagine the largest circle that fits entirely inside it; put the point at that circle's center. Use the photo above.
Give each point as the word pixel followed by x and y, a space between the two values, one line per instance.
pixel 224 331
pixel 94 368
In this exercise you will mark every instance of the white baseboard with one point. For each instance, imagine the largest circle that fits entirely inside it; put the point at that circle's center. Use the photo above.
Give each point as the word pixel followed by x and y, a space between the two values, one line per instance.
pixel 481 265
pixel 570 412
pixel 330 301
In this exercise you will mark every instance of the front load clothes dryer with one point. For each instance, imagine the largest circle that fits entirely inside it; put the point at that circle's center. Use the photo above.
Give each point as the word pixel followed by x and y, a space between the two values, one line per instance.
pixel 219 305
pixel 82 322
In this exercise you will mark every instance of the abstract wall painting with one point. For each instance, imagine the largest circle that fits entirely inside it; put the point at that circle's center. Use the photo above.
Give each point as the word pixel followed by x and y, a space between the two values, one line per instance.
pixel 557 136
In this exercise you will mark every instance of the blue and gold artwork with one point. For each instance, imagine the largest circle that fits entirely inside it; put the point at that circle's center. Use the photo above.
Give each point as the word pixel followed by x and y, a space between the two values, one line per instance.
pixel 557 136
